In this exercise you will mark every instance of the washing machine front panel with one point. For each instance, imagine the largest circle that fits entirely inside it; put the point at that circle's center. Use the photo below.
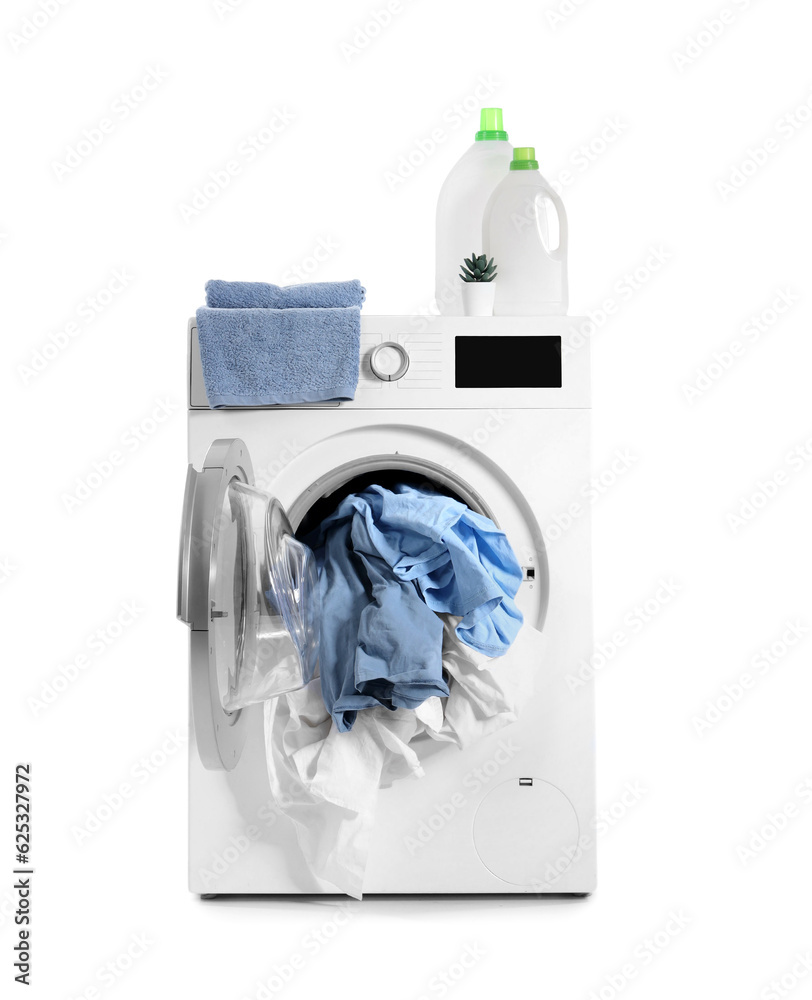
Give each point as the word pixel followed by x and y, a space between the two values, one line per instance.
pixel 521 455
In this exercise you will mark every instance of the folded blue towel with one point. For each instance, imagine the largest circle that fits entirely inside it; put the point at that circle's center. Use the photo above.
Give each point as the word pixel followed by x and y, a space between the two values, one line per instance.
pixel 387 561
pixel 259 357
pixel 259 295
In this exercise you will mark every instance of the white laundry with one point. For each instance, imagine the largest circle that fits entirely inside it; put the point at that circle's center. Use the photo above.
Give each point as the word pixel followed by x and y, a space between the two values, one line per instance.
pixel 327 782
pixel 477 703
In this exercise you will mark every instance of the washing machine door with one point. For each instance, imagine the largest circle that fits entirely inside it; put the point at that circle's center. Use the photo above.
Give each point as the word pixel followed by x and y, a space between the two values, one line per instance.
pixel 248 589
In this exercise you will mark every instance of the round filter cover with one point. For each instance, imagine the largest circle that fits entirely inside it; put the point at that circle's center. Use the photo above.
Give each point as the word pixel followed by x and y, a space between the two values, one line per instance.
pixel 526 832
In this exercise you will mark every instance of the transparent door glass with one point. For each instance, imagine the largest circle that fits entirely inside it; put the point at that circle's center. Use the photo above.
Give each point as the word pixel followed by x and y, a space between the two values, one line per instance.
pixel 264 600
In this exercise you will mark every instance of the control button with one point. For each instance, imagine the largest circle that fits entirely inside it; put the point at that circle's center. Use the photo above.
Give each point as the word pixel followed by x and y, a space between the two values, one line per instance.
pixel 389 361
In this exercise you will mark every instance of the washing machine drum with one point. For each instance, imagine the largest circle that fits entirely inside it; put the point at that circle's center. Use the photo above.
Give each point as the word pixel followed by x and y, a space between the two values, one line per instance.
pixel 264 593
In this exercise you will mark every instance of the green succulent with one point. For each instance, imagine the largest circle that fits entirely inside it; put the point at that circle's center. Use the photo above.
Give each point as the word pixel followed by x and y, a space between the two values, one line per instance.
pixel 478 268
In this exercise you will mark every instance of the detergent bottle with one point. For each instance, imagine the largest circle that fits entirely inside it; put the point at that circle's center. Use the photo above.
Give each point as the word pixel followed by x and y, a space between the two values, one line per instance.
pixel 524 229
pixel 461 204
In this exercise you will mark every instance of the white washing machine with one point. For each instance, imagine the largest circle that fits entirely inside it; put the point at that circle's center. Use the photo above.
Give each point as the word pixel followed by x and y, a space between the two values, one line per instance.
pixel 490 411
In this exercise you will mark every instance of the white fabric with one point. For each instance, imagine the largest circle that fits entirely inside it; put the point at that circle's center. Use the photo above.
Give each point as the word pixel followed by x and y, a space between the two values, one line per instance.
pixel 327 782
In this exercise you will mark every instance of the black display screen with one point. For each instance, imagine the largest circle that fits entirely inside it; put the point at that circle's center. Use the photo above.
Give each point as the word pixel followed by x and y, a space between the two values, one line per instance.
pixel 507 362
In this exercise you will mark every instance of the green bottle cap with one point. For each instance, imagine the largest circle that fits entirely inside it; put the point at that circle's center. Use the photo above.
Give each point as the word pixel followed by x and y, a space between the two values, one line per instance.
pixel 524 158
pixel 490 125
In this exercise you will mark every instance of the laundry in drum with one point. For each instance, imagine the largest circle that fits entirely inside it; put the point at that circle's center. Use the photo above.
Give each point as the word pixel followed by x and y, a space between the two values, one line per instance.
pixel 390 562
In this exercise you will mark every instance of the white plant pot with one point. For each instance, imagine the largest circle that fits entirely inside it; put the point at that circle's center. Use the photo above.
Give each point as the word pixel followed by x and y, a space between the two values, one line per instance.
pixel 477 298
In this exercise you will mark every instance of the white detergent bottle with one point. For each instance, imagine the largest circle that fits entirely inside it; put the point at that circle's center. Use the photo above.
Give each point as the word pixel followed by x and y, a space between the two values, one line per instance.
pixel 524 229
pixel 461 204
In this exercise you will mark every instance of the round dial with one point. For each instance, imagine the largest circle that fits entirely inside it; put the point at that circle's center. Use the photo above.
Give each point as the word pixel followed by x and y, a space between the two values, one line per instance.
pixel 389 362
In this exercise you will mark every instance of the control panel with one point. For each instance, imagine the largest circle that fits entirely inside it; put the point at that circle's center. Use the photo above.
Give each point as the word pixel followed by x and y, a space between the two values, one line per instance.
pixel 509 362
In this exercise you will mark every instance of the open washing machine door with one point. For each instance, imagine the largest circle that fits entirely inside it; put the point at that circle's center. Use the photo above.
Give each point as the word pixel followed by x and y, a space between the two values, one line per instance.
pixel 249 591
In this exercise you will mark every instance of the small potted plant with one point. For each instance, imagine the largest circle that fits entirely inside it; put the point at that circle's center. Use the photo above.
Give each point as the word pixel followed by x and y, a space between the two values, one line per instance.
pixel 477 291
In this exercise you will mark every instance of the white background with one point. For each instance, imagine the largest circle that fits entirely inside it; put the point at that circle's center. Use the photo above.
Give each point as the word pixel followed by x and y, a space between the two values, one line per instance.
pixel 685 118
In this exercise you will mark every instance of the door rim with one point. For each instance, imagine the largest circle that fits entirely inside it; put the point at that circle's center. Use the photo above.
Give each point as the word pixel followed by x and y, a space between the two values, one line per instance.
pixel 220 735
pixel 339 476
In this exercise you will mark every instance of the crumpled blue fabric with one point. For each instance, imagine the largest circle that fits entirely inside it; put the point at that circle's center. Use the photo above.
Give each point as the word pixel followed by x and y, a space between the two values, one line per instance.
pixel 388 560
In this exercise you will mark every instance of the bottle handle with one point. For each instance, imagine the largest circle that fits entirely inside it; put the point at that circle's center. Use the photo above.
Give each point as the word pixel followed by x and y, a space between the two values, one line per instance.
pixel 559 255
